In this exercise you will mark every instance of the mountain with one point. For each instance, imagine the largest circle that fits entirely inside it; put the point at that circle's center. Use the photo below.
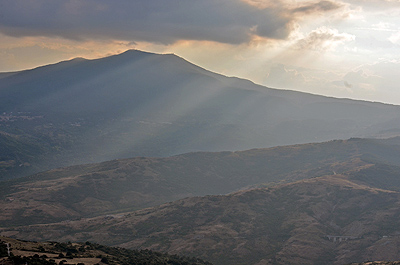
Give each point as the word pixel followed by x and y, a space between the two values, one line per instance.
pixel 327 220
pixel 130 184
pixel 52 253
pixel 144 104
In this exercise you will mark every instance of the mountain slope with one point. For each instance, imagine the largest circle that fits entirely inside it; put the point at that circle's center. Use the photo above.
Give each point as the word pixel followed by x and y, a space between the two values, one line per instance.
pixel 328 220
pixel 130 184
pixel 143 104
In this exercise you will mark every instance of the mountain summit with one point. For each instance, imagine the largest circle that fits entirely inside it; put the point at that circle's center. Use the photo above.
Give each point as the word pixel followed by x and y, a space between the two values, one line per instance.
pixel 145 104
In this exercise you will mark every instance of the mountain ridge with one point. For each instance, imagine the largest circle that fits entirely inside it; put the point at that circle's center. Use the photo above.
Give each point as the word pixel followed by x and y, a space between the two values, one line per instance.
pixel 132 52
pixel 144 104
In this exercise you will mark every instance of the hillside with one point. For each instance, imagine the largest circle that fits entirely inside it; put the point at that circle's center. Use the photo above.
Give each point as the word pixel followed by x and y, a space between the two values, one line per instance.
pixel 327 220
pixel 130 184
pixel 52 253
pixel 143 104
pixel 335 202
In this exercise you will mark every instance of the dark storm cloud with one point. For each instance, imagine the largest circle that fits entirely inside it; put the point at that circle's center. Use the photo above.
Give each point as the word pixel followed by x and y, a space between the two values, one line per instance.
pixel 163 21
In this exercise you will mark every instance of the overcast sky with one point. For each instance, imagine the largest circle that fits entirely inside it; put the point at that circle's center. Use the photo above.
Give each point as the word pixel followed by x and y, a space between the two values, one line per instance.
pixel 348 48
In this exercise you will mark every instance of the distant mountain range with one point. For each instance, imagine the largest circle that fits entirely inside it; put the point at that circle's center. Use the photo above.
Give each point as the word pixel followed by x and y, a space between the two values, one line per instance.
pixel 322 203
pixel 143 104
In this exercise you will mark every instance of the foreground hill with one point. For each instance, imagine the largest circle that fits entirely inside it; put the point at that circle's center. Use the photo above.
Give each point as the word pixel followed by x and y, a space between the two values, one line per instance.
pixel 52 253
pixel 143 104
pixel 130 184
pixel 327 220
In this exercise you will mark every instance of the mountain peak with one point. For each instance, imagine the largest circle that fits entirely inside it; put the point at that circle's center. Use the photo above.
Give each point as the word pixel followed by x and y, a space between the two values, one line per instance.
pixel 138 53
pixel 131 52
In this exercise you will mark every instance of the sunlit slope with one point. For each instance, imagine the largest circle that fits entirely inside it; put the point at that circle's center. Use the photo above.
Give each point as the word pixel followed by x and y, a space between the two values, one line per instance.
pixel 131 184
pixel 143 104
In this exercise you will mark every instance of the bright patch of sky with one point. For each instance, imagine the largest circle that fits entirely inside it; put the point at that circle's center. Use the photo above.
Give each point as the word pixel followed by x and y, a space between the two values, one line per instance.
pixel 347 48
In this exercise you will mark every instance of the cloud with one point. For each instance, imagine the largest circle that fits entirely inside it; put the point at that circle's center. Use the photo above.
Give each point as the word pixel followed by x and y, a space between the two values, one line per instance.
pixel 152 20
pixel 346 84
pixel 374 82
pixel 323 39
pixel 361 80
pixel 375 5
pixel 160 21
pixel 282 77
pixel 395 38
pixel 306 80
pixel 315 7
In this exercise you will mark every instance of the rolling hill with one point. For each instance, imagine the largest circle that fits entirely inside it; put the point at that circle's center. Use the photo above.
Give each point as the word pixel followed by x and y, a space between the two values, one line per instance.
pixel 131 184
pixel 334 202
pixel 327 220
pixel 143 104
